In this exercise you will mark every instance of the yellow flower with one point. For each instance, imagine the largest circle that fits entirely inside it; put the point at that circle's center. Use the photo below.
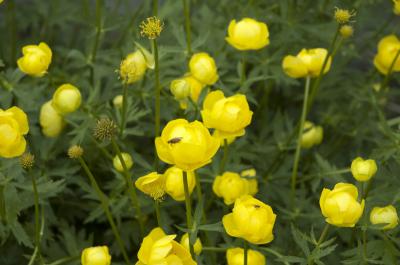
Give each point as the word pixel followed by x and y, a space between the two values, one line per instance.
pixel 180 89
pixel 202 67
pixel 174 183
pixel 363 170
pixel 96 256
pixel 229 139
pixel 13 126
pixel 346 31
pixel 340 205
pixel 248 34
pixel 306 63
pixel 66 99
pixel 396 7
pixel 152 184
pixel 343 16
pixel 151 27
pixel 160 249
pixel 235 256
pixel 117 101
pixel 127 159
pixel 385 215
pixel 251 220
pixel 188 146
pixel 231 186
pixel 388 47
pixel 197 244
pixel 133 67
pixel 51 121
pixel 312 135
pixel 195 87
pixel 35 60
pixel 229 116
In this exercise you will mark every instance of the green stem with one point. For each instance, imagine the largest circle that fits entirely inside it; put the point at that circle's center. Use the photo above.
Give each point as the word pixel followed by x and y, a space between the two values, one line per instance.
pixel 321 240
pixel 245 250
pixel 131 188
pixel 104 203
pixel 36 202
pixel 157 91
pixel 99 9
pixel 224 157
pixel 124 108
pixel 157 210
pixel 298 146
pixel 189 221
pixel 155 7
pixel 367 189
pixel 186 10
pixel 64 260
pixel 215 249
pixel 364 243
pixel 243 70
pixel 11 21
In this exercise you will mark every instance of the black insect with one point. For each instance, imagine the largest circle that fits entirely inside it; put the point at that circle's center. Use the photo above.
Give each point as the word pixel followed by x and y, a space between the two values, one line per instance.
pixel 175 140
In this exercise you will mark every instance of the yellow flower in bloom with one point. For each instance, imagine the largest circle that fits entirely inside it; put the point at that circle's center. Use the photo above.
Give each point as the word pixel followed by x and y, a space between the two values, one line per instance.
pixel 35 60
pixel 151 27
pixel 231 186
pixel 396 7
pixel 133 67
pixel 235 256
pixel 251 220
pixel 385 215
pixel 127 159
pixel 202 67
pixel 388 47
pixel 96 256
pixel 174 183
pixel 117 101
pixel 66 99
pixel 188 146
pixel 13 126
pixel 51 121
pixel 340 205
pixel 248 34
pixel 152 184
pixel 363 170
pixel 229 116
pixel 160 249
pixel 197 244
pixel 306 63
pixel 312 135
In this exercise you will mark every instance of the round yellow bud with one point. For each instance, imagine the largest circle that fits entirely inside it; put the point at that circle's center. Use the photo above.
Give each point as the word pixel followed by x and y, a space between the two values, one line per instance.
pixel 96 256
pixel 363 170
pixel 340 205
pixel 13 126
pixel 35 60
pixel 202 67
pixel 248 34
pixel 195 87
pixel 152 184
pixel 384 215
pixel 228 115
pixel 180 89
pixel 312 135
pixel 75 151
pixel 235 256
pixel 388 47
pixel 343 16
pixel 127 160
pixel 187 145
pixel 133 67
pixel 198 247
pixel 118 101
pixel 396 7
pixel 174 183
pixel 251 220
pixel 51 121
pixel 306 63
pixel 66 99
pixel 346 31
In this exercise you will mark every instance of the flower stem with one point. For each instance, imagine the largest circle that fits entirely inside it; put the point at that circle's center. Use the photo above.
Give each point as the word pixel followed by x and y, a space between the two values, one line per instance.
pixel 188 210
pixel 104 203
pixel 99 9
pixel 298 146
pixel 224 157
pixel 124 108
pixel 321 240
pixel 155 7
pixel 157 210
pixel 11 22
pixel 157 91
pixel 243 70
pixel 186 10
pixel 36 201
pixel 246 248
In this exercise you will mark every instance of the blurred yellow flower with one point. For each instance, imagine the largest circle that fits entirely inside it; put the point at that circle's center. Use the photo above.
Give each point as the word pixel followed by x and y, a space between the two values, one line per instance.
pixel 385 215
pixel 228 115
pixel 133 67
pixel 66 99
pixel 235 256
pixel 127 159
pixel 312 135
pixel 340 205
pixel 202 67
pixel 195 87
pixel 118 100
pixel 51 121
pixel 251 220
pixel 188 146
pixel 180 88
pixel 96 256
pixel 306 63
pixel 152 184
pixel 396 7
pixel 251 172
pixel 343 16
pixel 35 60
pixel 174 183
pixel 363 170
pixel 248 34
pixel 346 31
pixel 197 244
pixel 388 48
pixel 13 126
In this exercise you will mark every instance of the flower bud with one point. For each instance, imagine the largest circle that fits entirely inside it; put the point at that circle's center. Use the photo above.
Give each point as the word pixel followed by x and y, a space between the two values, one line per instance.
pixel 343 16
pixel 127 160
pixel 105 129
pixel 306 63
pixel 66 99
pixel 118 101
pixel 174 183
pixel 27 160
pixel 202 67
pixel 180 89
pixel 388 48
pixel 363 170
pixel 152 184
pixel 151 27
pixel 96 256
pixel 133 67
pixel 197 244
pixel 385 215
pixel 75 151
pixel 248 34
pixel 235 256
pixel 346 31
pixel 35 60
pixel 51 121
pixel 312 135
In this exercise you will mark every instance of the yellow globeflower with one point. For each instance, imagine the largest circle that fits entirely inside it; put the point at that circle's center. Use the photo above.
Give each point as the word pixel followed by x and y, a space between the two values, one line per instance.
pixel 228 115
pixel 152 184
pixel 198 247
pixel 312 135
pixel 340 205
pixel 174 183
pixel 235 256
pixel 133 67
pixel 363 170
pixel 396 7
pixel 13 126
pixel 231 186
pixel 35 60
pixel 67 99
pixel 51 121
pixel 308 62
pixel 159 248
pixel 248 34
pixel 188 146
pixel 180 89
pixel 195 87
pixel 202 67
pixel 388 47
pixel 96 256
pixel 127 159
pixel 385 215
pixel 251 220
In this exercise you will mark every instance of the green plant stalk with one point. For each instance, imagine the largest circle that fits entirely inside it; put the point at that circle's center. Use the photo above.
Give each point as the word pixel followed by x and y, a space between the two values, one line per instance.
pixel 37 247
pixel 243 70
pixel 155 7
pixel 188 204
pixel 104 203
pixel 320 240
pixel 157 210
pixel 64 260
pixel 11 22
pixel 36 202
pixel 99 9
pixel 298 146
pixel 157 91
pixel 186 10
pixel 124 108
pixel 224 157
pixel 131 188
pixel 364 243
pixel 245 250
